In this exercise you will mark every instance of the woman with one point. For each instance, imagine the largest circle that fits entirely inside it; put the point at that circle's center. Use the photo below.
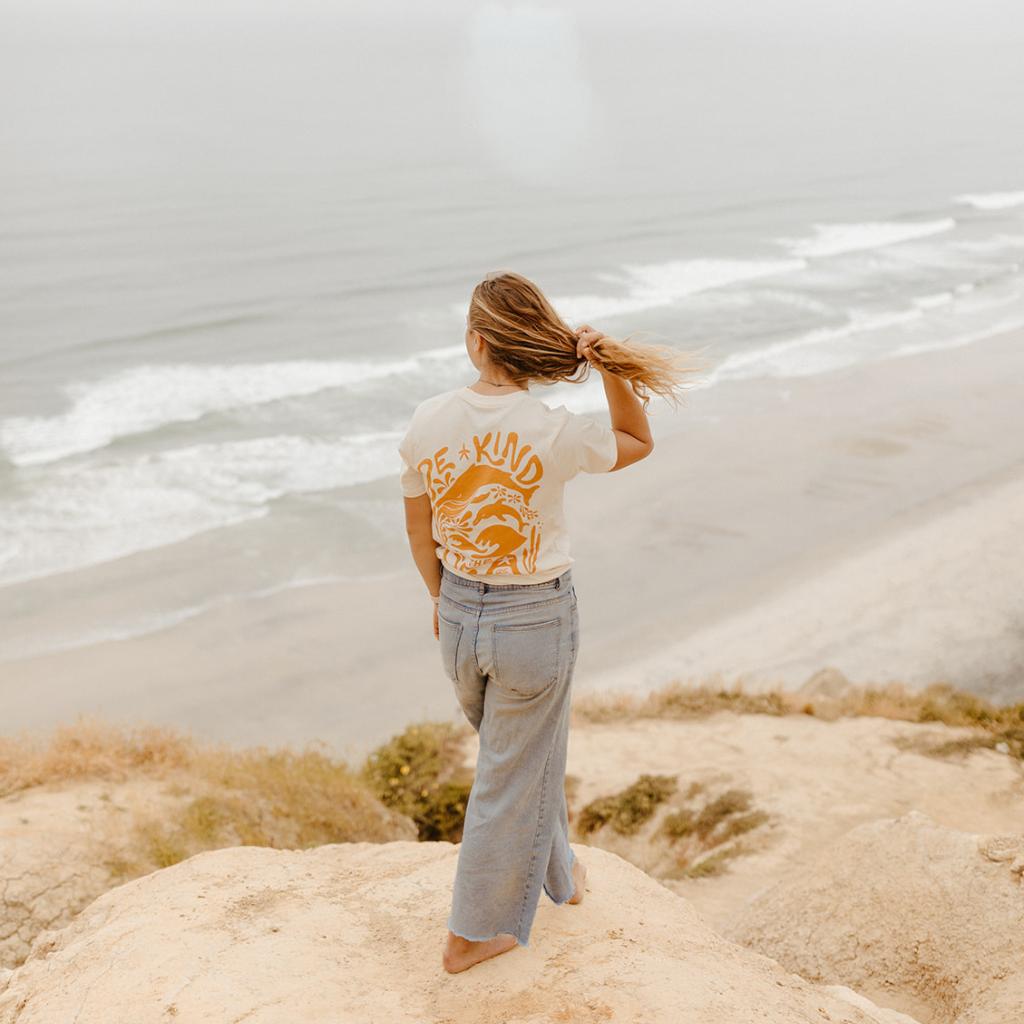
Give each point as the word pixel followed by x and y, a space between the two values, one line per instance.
pixel 483 471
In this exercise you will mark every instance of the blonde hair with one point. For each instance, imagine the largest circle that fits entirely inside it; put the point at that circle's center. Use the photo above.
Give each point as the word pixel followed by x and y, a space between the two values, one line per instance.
pixel 531 342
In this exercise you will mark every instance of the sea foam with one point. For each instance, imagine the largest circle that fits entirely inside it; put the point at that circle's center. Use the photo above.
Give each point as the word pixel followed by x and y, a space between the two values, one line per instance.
pixel 991 200
pixel 806 353
pixel 836 239
pixel 643 286
pixel 143 398
pixel 80 515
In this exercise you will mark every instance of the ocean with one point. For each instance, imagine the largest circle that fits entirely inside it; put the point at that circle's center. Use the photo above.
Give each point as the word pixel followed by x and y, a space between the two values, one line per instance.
pixel 234 261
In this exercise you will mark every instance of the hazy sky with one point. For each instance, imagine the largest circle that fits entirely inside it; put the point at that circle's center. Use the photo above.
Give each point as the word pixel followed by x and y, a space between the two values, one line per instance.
pixel 921 16
pixel 545 91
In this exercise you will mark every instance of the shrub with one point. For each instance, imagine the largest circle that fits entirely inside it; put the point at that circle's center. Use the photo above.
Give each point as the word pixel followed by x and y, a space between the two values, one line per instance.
pixel 628 809
pixel 419 773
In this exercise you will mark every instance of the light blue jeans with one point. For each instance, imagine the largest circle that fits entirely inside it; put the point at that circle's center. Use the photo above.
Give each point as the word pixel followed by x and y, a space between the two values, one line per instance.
pixel 510 650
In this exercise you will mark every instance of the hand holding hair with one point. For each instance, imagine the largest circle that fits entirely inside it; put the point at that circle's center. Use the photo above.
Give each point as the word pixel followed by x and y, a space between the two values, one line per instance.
pixel 588 337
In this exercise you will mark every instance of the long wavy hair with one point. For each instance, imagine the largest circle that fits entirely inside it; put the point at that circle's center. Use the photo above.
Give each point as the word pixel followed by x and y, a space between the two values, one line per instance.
pixel 526 337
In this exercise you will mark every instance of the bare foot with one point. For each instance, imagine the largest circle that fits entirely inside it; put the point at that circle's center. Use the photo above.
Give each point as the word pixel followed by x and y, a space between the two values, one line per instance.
pixel 579 876
pixel 460 954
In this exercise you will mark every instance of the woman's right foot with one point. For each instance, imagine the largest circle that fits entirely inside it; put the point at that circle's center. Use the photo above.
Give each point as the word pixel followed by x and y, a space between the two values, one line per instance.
pixel 579 876
pixel 460 954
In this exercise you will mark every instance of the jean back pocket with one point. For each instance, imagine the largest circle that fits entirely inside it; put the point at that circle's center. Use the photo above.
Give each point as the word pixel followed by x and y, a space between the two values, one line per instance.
pixel 527 656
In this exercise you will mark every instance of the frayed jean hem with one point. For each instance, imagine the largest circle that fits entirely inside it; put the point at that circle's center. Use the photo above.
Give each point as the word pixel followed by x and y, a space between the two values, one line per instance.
pixel 487 938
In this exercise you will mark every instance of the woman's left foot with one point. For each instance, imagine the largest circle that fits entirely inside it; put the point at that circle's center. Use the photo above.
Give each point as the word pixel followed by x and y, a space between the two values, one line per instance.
pixel 460 954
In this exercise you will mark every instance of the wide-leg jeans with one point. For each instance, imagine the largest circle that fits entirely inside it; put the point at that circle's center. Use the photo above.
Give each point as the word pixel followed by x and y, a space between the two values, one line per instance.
pixel 510 650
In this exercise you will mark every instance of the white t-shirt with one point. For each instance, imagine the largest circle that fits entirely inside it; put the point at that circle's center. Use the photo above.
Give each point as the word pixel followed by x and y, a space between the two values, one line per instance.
pixel 495 467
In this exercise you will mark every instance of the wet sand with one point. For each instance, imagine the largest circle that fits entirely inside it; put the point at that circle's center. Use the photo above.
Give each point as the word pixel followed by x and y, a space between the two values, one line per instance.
pixel 869 518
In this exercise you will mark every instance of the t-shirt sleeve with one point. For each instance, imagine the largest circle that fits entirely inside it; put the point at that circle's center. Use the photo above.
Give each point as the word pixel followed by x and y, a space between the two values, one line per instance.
pixel 591 446
pixel 410 478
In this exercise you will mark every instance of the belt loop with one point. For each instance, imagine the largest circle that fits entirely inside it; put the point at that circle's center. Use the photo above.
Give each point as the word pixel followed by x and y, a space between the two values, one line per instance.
pixel 558 582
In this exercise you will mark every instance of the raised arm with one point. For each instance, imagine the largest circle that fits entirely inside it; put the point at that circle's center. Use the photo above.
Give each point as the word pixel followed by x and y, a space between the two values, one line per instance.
pixel 628 419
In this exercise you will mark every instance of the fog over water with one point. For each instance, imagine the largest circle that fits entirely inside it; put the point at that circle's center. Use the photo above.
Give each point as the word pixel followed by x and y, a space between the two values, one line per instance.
pixel 238 240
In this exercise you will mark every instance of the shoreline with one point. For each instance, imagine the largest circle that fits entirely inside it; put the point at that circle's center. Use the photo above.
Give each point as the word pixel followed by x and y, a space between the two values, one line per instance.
pixel 940 593
pixel 762 486
pixel 827 469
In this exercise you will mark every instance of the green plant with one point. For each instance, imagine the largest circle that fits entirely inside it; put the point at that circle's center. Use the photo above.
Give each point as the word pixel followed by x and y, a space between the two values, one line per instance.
pixel 419 773
pixel 628 809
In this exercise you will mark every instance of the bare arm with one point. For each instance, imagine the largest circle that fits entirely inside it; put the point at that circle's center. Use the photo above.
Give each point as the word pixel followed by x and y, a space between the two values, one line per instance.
pixel 423 545
pixel 629 421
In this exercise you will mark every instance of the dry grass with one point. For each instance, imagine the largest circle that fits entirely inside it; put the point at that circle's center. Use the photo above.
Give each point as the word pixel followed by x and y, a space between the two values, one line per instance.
pixel 715 863
pixel 712 814
pixel 295 800
pixel 679 824
pixel 678 700
pixel 698 838
pixel 706 838
pixel 627 810
pixel 1006 742
pixel 90 749
pixel 216 795
pixel 744 823
pixel 222 796
pixel 939 702
pixel 282 798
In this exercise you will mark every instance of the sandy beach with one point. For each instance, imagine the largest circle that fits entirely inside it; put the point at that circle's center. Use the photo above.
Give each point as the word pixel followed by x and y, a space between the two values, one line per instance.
pixel 867 518
pixel 244 246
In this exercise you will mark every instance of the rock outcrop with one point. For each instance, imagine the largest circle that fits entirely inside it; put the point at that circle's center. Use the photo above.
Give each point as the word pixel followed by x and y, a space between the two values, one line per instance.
pixel 909 913
pixel 815 779
pixel 51 857
pixel 62 844
pixel 353 932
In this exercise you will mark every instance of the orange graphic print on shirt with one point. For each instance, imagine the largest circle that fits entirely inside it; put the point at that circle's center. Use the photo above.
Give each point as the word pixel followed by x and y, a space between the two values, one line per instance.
pixel 481 502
